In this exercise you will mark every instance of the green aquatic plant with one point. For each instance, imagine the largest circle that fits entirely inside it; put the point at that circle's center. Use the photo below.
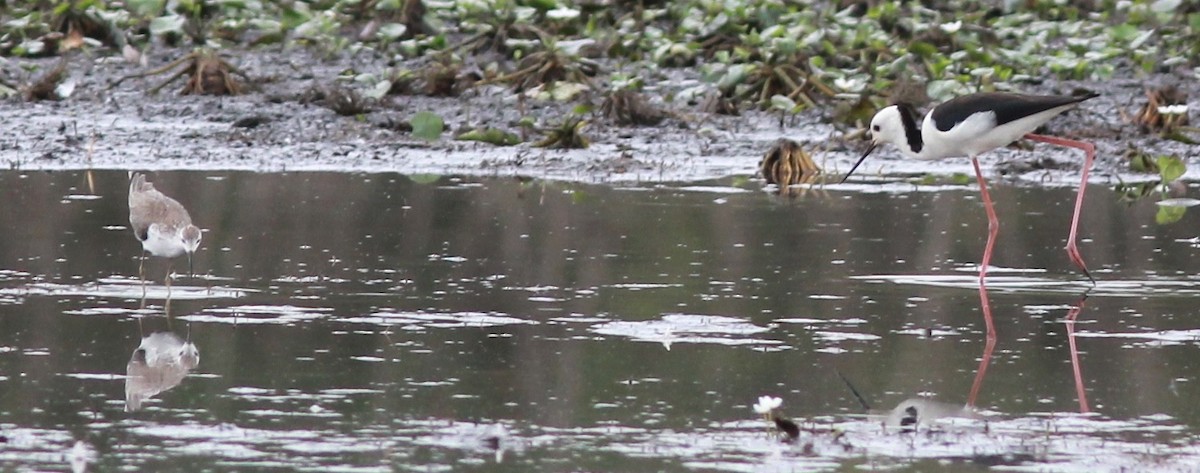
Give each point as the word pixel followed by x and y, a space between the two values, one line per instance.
pixel 551 64
pixel 1170 169
pixel 568 134
pixel 493 136
pixel 427 126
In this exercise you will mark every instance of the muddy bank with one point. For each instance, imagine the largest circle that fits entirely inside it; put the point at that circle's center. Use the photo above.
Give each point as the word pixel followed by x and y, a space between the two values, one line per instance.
pixel 272 128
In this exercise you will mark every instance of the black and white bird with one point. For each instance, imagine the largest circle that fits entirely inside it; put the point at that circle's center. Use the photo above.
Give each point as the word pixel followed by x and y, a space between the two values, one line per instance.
pixel 975 124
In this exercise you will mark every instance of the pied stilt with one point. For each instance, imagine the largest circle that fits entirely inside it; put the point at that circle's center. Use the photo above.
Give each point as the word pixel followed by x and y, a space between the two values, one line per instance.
pixel 974 124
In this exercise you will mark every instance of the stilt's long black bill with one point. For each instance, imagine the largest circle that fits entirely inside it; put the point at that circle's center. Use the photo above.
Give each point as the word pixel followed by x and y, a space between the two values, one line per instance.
pixel 860 160
pixel 190 274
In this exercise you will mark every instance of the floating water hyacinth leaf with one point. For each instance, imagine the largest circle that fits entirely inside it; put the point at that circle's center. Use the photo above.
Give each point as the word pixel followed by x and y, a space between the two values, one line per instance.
pixel 1168 214
pixel 427 126
pixel 1170 168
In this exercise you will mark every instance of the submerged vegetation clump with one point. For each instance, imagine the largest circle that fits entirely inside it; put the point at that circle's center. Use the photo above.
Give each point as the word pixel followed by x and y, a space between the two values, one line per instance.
pixel 566 135
pixel 786 163
pixel 48 85
pixel 1165 110
pixel 206 72
pixel 631 108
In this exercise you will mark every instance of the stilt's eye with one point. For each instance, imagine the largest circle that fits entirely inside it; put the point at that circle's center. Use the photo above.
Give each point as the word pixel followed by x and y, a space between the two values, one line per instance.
pixel 876 128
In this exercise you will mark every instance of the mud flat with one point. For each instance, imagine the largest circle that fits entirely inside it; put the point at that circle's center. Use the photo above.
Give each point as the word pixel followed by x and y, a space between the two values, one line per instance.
pixel 277 127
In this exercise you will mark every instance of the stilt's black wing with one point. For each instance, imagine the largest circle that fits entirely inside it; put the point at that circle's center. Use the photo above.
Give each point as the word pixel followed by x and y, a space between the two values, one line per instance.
pixel 1008 107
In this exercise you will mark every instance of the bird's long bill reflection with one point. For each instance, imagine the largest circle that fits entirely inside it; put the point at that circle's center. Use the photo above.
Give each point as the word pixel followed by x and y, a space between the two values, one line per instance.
pixel 159 363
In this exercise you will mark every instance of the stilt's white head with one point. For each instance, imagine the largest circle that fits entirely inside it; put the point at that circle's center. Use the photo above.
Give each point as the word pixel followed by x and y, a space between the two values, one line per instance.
pixel 886 127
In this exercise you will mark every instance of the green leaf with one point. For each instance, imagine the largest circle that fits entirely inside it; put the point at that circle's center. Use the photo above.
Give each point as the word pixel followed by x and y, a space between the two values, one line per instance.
pixel 427 126
pixel 1165 6
pixel 490 135
pixel 1141 162
pixel 581 109
pixel 167 24
pixel 392 31
pixel 922 49
pixel 1170 168
pixel 1169 214
pixel 379 90
pixel 1122 34
pixel 541 4
pixel 292 18
pixel 145 7
pixel 781 102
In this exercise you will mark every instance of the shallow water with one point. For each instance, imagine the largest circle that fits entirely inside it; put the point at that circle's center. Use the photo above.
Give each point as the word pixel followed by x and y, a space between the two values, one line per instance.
pixel 377 322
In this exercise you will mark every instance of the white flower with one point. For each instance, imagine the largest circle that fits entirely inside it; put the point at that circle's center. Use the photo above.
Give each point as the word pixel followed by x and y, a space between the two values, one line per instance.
pixel 767 404
pixel 850 84
pixel 951 28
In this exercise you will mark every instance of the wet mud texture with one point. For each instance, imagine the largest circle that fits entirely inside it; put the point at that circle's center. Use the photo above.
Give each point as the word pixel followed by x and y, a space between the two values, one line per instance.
pixel 281 124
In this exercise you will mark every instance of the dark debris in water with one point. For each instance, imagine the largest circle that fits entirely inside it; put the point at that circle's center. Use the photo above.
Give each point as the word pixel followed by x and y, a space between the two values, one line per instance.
pixel 45 86
pixel 788 427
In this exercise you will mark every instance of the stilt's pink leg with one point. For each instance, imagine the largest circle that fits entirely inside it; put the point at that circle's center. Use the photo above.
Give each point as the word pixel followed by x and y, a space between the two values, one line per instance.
pixel 1090 149
pixel 1070 322
pixel 986 360
pixel 993 227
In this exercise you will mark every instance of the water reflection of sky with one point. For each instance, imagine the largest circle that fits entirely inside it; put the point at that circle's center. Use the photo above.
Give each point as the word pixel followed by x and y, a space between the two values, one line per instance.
pixel 369 322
